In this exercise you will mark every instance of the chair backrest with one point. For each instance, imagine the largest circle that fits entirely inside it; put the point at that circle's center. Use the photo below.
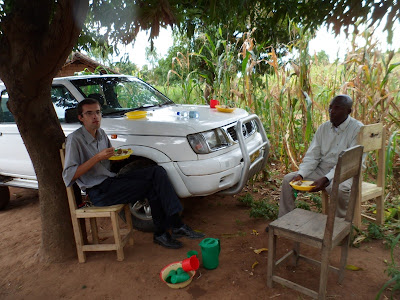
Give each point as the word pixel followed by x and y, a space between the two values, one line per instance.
pixel 71 190
pixel 348 166
pixel 372 137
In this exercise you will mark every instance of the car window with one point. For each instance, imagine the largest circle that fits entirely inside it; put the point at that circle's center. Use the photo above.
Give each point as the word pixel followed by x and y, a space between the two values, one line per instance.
pixel 64 104
pixel 5 115
pixel 120 94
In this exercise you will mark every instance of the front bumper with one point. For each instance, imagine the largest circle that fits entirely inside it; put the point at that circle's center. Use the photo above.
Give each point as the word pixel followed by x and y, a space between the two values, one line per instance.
pixel 229 172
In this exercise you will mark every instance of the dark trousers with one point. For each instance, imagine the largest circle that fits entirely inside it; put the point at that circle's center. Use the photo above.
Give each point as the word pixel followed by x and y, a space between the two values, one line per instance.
pixel 151 183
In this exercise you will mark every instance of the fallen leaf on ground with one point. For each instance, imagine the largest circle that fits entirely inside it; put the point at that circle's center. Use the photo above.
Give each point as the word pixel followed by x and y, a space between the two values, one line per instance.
pixel 258 251
pixel 255 232
pixel 353 268
pixel 254 265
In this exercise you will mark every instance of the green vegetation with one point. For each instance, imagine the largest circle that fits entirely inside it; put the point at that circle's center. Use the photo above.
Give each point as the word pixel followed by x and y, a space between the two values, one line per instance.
pixel 393 271
pixel 263 208
pixel 291 94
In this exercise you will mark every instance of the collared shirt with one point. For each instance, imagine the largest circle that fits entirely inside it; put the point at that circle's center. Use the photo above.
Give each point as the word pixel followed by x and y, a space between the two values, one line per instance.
pixel 79 148
pixel 327 144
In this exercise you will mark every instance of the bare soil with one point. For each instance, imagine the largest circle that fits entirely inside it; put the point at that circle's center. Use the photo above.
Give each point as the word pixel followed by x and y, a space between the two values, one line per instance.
pixel 23 276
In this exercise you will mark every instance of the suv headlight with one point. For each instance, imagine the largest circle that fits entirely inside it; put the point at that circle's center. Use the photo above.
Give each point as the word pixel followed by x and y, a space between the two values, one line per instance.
pixel 208 141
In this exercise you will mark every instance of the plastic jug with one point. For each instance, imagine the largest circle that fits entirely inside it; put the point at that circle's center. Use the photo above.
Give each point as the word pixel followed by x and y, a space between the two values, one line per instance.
pixel 210 249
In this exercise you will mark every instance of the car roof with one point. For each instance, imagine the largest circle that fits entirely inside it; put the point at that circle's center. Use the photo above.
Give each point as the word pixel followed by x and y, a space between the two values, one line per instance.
pixel 89 76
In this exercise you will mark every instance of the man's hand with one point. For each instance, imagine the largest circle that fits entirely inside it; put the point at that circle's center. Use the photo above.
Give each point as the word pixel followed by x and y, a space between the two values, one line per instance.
pixel 320 184
pixel 105 154
pixel 297 178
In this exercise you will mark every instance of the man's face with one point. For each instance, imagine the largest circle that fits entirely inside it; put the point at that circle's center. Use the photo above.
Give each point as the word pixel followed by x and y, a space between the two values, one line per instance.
pixel 338 112
pixel 91 116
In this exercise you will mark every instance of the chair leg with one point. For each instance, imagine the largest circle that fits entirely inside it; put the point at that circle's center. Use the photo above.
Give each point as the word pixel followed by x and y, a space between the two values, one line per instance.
pixel 325 201
pixel 117 236
pixel 357 213
pixel 324 273
pixel 78 239
pixel 95 233
pixel 84 231
pixel 128 218
pixel 380 210
pixel 343 257
pixel 296 253
pixel 271 257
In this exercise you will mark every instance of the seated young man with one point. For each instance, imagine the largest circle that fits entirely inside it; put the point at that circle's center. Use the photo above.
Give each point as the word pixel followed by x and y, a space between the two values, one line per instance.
pixel 87 163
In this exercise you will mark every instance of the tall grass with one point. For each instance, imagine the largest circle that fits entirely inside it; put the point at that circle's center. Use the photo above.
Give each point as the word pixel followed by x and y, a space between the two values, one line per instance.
pixel 293 95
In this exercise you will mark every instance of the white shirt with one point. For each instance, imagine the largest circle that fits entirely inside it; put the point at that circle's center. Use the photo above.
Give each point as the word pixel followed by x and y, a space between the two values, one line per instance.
pixel 327 144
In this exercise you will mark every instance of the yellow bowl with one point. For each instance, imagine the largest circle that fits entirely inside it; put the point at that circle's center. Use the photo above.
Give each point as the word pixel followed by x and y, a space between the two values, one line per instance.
pixel 175 266
pixel 225 109
pixel 120 157
pixel 136 114
pixel 305 185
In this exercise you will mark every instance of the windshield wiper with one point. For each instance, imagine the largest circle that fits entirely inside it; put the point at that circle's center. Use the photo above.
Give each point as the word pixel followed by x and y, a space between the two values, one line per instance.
pixel 167 103
pixel 117 112
pixel 120 112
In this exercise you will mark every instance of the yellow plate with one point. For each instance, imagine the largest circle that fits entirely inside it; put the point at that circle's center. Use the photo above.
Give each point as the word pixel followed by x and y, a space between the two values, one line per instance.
pixel 305 185
pixel 136 114
pixel 225 109
pixel 174 266
pixel 120 157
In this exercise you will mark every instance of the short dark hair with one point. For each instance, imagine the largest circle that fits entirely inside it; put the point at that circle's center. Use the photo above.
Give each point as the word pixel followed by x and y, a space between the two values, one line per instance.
pixel 344 100
pixel 86 101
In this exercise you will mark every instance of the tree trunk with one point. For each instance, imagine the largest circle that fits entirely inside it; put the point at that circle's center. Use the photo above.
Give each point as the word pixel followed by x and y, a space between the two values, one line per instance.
pixel 42 134
pixel 36 37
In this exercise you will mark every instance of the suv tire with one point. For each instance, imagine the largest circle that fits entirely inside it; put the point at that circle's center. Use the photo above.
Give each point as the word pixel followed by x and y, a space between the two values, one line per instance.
pixel 141 216
pixel 4 196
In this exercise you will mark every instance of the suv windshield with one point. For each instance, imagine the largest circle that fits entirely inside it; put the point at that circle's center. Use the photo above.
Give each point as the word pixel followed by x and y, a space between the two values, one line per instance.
pixel 120 94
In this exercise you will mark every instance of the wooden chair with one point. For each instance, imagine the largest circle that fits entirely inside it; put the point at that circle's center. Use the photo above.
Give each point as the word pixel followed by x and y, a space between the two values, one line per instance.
pixel 372 137
pixel 318 230
pixel 120 236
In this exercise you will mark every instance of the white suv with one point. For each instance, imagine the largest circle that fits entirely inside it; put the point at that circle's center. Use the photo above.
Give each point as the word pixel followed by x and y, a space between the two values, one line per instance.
pixel 204 153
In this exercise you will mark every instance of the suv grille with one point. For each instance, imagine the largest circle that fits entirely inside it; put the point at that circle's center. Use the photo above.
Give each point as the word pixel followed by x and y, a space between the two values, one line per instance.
pixel 248 129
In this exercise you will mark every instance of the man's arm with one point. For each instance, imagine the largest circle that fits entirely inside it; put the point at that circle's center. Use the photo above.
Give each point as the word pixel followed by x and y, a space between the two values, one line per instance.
pixel 87 165
pixel 75 158
pixel 312 157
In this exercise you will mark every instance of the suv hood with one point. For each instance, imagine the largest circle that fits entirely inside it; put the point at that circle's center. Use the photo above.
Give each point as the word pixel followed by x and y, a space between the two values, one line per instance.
pixel 165 121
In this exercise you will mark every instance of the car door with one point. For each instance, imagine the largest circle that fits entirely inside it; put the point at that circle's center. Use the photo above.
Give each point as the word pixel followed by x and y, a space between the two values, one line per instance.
pixel 14 158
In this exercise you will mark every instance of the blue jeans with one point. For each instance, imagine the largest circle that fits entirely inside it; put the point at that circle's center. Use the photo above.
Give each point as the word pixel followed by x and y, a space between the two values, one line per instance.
pixel 151 183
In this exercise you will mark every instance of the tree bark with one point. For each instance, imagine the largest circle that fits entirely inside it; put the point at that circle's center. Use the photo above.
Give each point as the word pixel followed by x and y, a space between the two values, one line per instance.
pixel 37 38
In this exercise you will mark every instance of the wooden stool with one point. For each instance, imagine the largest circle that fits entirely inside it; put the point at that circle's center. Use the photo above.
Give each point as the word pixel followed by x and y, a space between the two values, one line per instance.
pixel 121 236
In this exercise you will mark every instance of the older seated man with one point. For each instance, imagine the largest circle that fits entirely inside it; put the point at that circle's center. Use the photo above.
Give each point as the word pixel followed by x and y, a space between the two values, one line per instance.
pixel 318 165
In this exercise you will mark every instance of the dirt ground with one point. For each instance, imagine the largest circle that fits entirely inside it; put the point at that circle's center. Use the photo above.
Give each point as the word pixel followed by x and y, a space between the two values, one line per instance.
pixel 22 276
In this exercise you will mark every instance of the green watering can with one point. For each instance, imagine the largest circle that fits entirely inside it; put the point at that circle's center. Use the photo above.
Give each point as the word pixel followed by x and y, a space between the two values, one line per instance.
pixel 210 249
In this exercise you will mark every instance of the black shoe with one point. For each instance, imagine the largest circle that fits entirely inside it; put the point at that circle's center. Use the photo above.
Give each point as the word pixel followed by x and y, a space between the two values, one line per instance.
pixel 266 229
pixel 167 241
pixel 186 231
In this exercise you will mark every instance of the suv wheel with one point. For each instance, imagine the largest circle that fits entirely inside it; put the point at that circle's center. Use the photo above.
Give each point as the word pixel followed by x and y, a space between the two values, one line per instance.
pixel 4 196
pixel 141 215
